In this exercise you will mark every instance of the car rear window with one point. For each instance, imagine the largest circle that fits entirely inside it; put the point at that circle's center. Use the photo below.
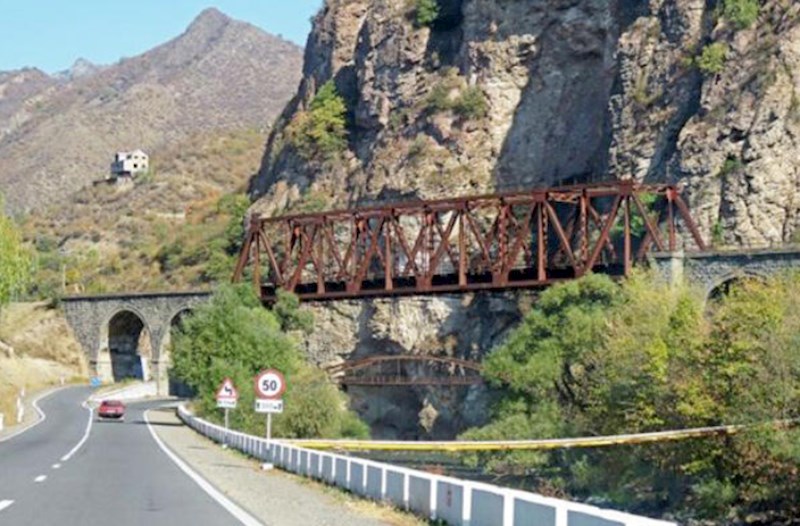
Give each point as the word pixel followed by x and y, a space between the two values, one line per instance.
pixel 112 403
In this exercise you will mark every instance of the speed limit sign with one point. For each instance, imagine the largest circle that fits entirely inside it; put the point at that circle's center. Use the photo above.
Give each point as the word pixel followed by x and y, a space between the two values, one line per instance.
pixel 270 384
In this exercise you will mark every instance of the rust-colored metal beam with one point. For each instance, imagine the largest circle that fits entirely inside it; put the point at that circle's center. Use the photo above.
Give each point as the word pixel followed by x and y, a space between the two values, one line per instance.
pixel 489 242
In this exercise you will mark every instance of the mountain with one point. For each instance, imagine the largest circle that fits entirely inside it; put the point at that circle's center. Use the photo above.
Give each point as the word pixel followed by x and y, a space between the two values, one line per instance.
pixel 59 134
pixel 560 91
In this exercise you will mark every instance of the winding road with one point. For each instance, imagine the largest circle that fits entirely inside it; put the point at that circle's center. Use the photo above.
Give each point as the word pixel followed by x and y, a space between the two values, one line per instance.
pixel 72 470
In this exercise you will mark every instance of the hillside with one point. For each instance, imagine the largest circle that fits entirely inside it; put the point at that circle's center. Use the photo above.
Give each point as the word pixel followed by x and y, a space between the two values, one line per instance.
pixel 164 231
pixel 60 133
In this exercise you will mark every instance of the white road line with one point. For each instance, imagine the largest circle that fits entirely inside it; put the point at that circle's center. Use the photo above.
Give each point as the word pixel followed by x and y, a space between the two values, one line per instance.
pixel 42 416
pixel 40 478
pixel 243 517
pixel 5 504
pixel 56 466
pixel 85 435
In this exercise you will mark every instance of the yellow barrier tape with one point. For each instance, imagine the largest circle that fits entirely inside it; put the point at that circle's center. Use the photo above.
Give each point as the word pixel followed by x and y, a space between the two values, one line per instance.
pixel 545 444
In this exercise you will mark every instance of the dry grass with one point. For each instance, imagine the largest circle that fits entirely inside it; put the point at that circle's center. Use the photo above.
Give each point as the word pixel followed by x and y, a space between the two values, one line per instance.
pixel 44 351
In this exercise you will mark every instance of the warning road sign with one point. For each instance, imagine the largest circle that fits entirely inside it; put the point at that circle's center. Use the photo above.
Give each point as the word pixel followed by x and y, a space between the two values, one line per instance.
pixel 227 395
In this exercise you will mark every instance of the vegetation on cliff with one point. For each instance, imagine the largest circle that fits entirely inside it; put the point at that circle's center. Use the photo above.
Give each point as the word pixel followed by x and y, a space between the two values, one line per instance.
pixel 234 336
pixel 593 358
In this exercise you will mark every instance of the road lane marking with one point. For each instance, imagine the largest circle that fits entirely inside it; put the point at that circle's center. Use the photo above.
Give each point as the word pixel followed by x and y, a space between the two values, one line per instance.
pixel 40 478
pixel 234 509
pixel 56 466
pixel 42 416
pixel 5 504
pixel 85 435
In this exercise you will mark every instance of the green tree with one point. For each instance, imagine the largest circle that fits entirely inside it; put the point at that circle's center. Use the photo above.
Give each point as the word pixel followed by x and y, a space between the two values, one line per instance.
pixel 712 60
pixel 743 13
pixel 320 132
pixel 426 12
pixel 596 358
pixel 235 336
pixel 15 260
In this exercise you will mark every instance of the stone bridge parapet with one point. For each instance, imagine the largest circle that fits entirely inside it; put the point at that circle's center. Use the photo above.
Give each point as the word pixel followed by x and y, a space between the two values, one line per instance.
pixel 713 269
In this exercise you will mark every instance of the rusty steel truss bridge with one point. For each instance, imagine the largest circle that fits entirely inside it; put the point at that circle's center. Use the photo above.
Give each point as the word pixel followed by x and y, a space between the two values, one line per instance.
pixel 490 242
pixel 406 370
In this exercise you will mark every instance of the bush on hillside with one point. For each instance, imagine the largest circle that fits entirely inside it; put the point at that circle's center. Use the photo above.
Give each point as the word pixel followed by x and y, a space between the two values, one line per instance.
pixel 320 132
pixel 712 60
pixel 742 13
pixel 425 12
pixel 235 336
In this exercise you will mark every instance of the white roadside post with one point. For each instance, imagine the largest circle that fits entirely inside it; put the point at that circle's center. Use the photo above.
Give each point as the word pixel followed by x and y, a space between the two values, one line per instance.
pixel 227 398
pixel 270 386
pixel 2 416
pixel 20 407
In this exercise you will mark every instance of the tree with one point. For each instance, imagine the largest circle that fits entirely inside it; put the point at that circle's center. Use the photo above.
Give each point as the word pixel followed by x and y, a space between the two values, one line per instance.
pixel 597 358
pixel 320 132
pixel 235 336
pixel 15 260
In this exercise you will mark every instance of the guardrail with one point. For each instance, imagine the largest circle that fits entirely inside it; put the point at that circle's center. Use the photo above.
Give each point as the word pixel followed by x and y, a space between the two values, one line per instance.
pixel 454 501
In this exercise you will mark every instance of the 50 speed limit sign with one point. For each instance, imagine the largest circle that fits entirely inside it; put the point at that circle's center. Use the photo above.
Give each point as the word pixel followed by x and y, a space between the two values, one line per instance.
pixel 270 384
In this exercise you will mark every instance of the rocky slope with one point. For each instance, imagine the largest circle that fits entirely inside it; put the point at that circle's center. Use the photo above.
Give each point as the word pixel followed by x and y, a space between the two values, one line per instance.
pixel 567 91
pixel 58 134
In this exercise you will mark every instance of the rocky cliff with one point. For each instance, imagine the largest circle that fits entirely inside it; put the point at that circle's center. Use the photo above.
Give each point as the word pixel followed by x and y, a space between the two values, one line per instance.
pixel 510 94
pixel 59 133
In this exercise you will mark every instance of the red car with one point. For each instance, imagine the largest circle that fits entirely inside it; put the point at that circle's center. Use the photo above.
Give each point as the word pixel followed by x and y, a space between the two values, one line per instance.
pixel 111 409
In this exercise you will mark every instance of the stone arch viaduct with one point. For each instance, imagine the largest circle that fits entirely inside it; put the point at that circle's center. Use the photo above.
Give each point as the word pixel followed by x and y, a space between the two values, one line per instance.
pixel 128 334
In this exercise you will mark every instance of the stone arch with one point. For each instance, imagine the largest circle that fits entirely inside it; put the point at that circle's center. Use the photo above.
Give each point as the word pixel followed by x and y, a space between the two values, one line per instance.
pixel 126 340
pixel 720 287
pixel 167 384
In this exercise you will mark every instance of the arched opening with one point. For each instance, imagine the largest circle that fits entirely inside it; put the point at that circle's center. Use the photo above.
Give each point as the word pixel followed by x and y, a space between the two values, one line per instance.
pixel 175 386
pixel 724 286
pixel 129 347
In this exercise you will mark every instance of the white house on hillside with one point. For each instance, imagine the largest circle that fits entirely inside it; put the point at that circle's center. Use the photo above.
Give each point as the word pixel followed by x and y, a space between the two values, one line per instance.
pixel 129 163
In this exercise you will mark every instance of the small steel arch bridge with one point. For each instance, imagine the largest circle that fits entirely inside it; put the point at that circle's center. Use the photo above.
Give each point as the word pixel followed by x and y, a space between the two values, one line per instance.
pixel 394 370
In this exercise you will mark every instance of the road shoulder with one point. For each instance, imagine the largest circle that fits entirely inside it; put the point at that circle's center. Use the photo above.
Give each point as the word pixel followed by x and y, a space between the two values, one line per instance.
pixel 274 497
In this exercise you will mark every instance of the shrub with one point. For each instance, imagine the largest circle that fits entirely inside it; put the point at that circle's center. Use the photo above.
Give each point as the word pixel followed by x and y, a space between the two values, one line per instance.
pixel 425 12
pixel 731 165
pixel 235 336
pixel 742 13
pixel 471 104
pixel 712 60
pixel 320 131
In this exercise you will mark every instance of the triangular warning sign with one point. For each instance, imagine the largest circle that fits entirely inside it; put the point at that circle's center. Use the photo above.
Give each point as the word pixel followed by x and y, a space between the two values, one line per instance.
pixel 227 391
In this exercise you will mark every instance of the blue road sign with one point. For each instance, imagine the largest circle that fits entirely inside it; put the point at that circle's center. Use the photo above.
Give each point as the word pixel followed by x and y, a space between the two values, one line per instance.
pixel 95 381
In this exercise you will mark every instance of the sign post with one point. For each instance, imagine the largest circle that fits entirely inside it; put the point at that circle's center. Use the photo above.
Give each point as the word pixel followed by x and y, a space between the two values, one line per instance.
pixel 270 386
pixel 227 398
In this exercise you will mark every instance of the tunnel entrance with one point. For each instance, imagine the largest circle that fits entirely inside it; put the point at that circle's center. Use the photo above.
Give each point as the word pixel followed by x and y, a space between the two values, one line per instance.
pixel 129 347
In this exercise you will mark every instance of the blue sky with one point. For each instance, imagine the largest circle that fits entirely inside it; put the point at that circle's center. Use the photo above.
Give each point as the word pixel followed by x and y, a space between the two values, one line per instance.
pixel 51 34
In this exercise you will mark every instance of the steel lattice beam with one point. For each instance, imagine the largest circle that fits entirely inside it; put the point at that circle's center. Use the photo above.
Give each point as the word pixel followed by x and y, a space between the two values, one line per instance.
pixel 489 242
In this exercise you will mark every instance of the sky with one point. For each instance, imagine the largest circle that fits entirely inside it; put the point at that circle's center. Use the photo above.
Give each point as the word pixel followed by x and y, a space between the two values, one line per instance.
pixel 52 34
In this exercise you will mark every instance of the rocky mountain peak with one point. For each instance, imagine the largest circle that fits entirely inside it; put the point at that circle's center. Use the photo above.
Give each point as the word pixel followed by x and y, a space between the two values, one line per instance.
pixel 80 68
pixel 210 20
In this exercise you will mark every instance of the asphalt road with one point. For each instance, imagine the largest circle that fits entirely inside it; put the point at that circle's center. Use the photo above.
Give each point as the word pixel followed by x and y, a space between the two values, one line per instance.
pixel 118 475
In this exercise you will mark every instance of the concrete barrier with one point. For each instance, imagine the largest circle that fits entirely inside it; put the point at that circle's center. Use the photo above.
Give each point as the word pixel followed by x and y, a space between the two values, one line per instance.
pixel 451 500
